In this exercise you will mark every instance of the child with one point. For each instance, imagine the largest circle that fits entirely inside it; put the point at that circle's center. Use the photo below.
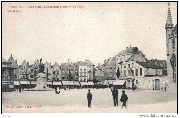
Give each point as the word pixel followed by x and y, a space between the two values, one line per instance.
pixel 124 99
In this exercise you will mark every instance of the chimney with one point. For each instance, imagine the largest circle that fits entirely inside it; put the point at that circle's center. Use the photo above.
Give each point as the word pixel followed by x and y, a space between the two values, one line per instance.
pixel 16 61
pixel 105 61
pixel 27 63
pixel 99 64
pixel 130 46
pixel 11 55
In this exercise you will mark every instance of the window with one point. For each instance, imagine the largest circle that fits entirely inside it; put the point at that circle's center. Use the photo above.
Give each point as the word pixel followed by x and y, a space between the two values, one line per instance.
pixel 132 72
pixel 124 72
pixel 129 72
pixel 132 64
pixel 136 72
pixel 81 69
pixel 128 65
pixel 84 69
pixel 124 66
pixel 140 71
pixel 84 79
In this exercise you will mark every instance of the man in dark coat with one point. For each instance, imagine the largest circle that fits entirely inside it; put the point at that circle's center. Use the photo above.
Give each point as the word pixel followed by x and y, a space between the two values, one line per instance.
pixel 124 99
pixel 89 98
pixel 115 96
pixel 20 88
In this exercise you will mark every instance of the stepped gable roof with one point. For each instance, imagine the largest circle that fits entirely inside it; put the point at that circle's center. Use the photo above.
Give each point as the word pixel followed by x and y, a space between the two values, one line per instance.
pixel 11 59
pixel 149 65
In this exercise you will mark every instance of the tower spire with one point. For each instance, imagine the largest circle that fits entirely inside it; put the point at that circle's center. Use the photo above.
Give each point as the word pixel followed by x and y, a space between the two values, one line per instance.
pixel 169 17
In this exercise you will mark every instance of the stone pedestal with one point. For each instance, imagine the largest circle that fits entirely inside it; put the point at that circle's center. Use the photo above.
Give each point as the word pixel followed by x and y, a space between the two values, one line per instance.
pixel 41 82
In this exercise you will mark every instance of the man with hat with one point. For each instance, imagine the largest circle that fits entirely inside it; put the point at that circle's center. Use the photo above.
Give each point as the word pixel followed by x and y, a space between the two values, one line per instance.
pixel 115 96
pixel 124 99
pixel 89 98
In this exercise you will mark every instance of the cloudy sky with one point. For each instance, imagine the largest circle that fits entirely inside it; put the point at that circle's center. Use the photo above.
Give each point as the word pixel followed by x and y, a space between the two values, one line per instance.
pixel 96 31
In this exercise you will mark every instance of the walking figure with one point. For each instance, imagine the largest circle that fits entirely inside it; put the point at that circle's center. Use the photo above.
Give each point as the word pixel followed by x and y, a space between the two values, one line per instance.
pixel 115 96
pixel 89 98
pixel 19 89
pixel 124 99
pixel 134 87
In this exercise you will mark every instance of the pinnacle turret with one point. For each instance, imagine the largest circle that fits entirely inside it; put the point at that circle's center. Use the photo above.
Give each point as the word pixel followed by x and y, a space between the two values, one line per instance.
pixel 169 18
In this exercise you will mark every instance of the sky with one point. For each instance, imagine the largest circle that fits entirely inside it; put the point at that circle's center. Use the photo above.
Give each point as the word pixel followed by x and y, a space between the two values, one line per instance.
pixel 93 31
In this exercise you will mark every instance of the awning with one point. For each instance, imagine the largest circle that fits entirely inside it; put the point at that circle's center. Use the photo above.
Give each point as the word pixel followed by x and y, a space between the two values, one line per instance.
pixel 119 82
pixel 16 83
pixel 68 82
pixel 24 82
pixel 33 82
pixel 106 82
pixel 49 83
pixel 84 83
pixel 90 83
pixel 56 83
pixel 76 83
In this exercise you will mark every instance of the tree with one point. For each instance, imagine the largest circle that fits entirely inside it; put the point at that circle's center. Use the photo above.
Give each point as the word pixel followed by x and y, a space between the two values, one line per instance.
pixel 118 73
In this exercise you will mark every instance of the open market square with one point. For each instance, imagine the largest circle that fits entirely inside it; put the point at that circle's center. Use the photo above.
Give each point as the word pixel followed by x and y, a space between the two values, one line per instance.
pixel 75 101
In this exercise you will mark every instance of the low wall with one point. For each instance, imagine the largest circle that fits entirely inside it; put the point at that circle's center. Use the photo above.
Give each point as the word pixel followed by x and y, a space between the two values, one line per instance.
pixel 147 82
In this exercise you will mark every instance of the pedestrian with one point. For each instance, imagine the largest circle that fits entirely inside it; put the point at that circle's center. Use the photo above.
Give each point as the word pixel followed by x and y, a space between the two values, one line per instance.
pixel 57 92
pixel 165 85
pixel 89 98
pixel 134 87
pixel 19 89
pixel 115 96
pixel 165 88
pixel 124 99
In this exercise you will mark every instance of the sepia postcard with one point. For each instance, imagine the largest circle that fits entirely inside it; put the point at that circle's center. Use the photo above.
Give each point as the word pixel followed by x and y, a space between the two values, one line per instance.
pixel 89 57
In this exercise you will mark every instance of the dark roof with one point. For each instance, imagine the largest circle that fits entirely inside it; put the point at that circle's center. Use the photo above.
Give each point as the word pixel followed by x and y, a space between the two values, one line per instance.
pixel 156 62
pixel 149 65
pixel 133 50
pixel 133 57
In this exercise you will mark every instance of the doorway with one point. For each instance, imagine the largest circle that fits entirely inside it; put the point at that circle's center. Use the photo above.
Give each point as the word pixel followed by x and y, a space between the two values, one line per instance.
pixel 157 84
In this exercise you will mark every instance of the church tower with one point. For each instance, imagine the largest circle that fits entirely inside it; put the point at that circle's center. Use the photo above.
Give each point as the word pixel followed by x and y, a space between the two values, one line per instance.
pixel 170 47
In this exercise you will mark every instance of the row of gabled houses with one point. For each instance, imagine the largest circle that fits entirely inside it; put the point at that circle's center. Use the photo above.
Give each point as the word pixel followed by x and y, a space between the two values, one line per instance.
pixel 125 69
pixel 79 71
